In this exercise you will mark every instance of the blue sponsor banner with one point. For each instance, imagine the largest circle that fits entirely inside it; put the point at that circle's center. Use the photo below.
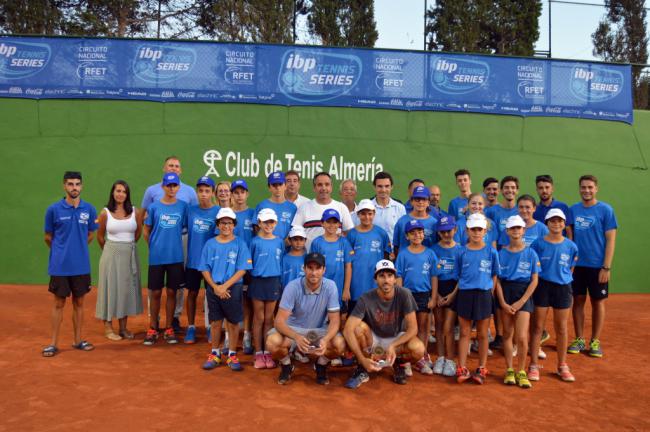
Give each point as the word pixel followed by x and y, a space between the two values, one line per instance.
pixel 167 71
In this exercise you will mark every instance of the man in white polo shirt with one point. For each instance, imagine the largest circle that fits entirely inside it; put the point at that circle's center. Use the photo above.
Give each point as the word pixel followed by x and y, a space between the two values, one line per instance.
pixel 388 211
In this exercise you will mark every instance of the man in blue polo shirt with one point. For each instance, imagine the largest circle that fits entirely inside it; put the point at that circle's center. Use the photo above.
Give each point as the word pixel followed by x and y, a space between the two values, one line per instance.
pixel 309 320
pixel 69 227
pixel 594 232
pixel 545 189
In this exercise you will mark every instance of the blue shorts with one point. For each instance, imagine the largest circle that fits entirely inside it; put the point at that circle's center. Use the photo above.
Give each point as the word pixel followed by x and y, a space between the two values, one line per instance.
pixel 193 279
pixel 265 288
pixel 230 309
pixel 474 304
pixel 513 291
pixel 422 300
pixel 445 287
pixel 586 279
pixel 550 294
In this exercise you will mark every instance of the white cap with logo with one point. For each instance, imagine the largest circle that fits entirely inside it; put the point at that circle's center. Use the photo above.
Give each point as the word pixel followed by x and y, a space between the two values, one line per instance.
pixel 555 213
pixel 384 265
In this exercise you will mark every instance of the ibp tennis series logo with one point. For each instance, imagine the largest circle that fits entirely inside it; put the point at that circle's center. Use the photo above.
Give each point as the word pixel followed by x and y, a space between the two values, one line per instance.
pixel 23 59
pixel 453 75
pixel 163 63
pixel 310 76
pixel 596 83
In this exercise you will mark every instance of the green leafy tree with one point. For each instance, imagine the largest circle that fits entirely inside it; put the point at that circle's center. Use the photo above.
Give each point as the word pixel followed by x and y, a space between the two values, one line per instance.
pixel 30 17
pixel 621 37
pixel 343 22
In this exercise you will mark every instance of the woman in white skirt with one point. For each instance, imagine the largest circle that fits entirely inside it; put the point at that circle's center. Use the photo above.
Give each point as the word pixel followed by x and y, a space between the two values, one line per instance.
pixel 118 289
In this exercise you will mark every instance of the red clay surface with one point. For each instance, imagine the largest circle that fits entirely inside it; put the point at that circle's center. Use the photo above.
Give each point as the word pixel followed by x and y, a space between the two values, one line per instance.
pixel 126 386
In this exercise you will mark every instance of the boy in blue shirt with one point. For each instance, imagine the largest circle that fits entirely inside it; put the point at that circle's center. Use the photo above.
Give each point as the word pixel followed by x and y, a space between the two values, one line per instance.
pixel 420 201
pixel 285 210
pixel 293 261
pixel 69 227
pixel 163 227
pixel 557 256
pixel 594 232
pixel 201 225
pixel 224 261
pixel 458 205
pixel 508 207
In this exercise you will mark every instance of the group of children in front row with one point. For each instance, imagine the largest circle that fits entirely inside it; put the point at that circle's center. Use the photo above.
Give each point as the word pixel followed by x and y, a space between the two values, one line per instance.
pixel 456 281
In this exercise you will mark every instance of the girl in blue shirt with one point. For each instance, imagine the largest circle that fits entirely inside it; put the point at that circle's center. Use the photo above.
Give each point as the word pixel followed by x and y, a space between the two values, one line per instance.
pixel 527 206
pixel 558 256
pixel 479 266
pixel 476 204
pixel 519 266
pixel 265 286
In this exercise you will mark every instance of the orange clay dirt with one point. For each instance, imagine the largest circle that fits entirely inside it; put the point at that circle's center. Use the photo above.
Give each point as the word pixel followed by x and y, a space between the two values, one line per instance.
pixel 125 386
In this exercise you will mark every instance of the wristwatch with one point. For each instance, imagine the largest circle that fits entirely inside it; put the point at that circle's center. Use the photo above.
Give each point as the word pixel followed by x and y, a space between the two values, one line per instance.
pixel 605 268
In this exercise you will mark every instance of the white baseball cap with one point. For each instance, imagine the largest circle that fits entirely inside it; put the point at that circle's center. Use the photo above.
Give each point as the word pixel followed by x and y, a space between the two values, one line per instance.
pixel 384 265
pixel 365 204
pixel 555 213
pixel 226 212
pixel 515 221
pixel 267 214
pixel 476 220
pixel 297 231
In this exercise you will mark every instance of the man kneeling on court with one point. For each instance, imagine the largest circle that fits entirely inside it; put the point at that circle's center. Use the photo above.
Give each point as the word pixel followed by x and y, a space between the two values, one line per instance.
pixel 308 320
pixel 374 333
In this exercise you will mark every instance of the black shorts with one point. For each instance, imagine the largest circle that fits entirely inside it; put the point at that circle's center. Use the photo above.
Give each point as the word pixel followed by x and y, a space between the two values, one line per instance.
pixel 474 304
pixel 230 309
pixel 193 279
pixel 175 276
pixel 586 279
pixel 550 294
pixel 514 291
pixel 445 287
pixel 63 286
pixel 265 288
pixel 422 300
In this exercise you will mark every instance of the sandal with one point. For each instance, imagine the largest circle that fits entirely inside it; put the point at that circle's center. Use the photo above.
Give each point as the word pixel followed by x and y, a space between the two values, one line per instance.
pixel 126 334
pixel 110 334
pixel 50 351
pixel 84 346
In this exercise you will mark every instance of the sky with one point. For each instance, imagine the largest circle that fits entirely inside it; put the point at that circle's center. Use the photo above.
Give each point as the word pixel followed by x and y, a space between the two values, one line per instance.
pixel 400 24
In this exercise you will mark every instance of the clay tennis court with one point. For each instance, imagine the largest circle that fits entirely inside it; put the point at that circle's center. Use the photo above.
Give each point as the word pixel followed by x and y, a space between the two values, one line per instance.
pixel 126 386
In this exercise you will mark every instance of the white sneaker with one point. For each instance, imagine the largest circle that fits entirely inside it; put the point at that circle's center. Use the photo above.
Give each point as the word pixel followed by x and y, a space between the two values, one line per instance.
pixel 408 370
pixel 541 354
pixel 439 365
pixel 514 351
pixel 450 368
pixel 423 367
pixel 336 362
pixel 432 339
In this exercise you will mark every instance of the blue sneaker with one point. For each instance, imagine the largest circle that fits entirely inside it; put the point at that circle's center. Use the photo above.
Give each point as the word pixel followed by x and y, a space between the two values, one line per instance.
pixel 594 348
pixel 359 376
pixel 212 362
pixel 233 363
pixel 190 335
pixel 348 359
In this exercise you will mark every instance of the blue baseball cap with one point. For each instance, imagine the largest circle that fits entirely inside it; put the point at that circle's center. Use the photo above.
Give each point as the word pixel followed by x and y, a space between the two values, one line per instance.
pixel 239 183
pixel 276 178
pixel 421 192
pixel 205 180
pixel 446 223
pixel 331 214
pixel 413 224
pixel 171 178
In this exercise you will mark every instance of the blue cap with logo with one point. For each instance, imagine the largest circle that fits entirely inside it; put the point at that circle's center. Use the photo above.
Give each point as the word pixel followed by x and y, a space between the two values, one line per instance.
pixel 331 214
pixel 413 224
pixel 239 183
pixel 446 223
pixel 171 178
pixel 205 180
pixel 421 192
pixel 276 177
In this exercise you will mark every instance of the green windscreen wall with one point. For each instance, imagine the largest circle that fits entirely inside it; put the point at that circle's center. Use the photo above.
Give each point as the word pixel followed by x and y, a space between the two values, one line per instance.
pixel 109 140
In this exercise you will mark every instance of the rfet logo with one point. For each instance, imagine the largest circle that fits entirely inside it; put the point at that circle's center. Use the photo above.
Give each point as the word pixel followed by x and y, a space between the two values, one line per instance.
pixel 455 75
pixel 595 83
pixel 314 76
pixel 163 63
pixel 22 59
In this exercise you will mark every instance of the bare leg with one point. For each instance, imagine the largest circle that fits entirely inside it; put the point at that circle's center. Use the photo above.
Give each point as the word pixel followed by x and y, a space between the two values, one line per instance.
pixel 463 341
pixel 579 314
pixel 269 307
pixel 450 322
pixel 258 324
pixel 191 306
pixel 170 306
pixel 508 332
pixel 560 318
pixel 441 336
pixel 57 318
pixel 597 317
pixel 538 327
pixel 215 333
pixel 483 342
pixel 154 307
pixel 523 322
pixel 77 317
pixel 233 335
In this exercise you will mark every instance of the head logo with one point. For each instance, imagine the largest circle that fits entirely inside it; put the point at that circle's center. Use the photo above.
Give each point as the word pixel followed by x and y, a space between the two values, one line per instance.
pixel 22 59
pixel 163 63
pixel 458 75
pixel 315 76
pixel 596 83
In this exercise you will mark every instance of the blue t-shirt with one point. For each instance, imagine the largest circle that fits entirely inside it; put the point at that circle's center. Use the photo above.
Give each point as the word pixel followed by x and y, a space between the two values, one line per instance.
pixel 167 222
pixel 430 231
pixel 557 260
pixel 292 268
pixel 69 227
pixel 448 261
pixel 285 212
pixel 589 227
pixel 337 254
pixel 156 192
pixel 309 309
pixel 531 234
pixel 500 216
pixel 462 235
pixel 417 269
pixel 541 210
pixel 223 260
pixel 245 222
pixel 518 266
pixel 477 267
pixel 201 226
pixel 267 256
pixel 456 206
pixel 369 248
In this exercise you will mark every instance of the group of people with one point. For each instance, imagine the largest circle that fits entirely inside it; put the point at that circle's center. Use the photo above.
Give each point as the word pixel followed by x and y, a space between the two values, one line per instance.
pixel 343 282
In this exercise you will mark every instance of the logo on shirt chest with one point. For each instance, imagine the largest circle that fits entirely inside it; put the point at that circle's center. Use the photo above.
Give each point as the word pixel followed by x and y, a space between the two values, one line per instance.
pixel 201 225
pixel 375 245
pixel 523 267
pixel 285 217
pixel 83 218
pixel 169 220
pixel 485 266
pixel 447 264
pixel 232 257
pixel 426 267
pixel 584 222
pixel 564 259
